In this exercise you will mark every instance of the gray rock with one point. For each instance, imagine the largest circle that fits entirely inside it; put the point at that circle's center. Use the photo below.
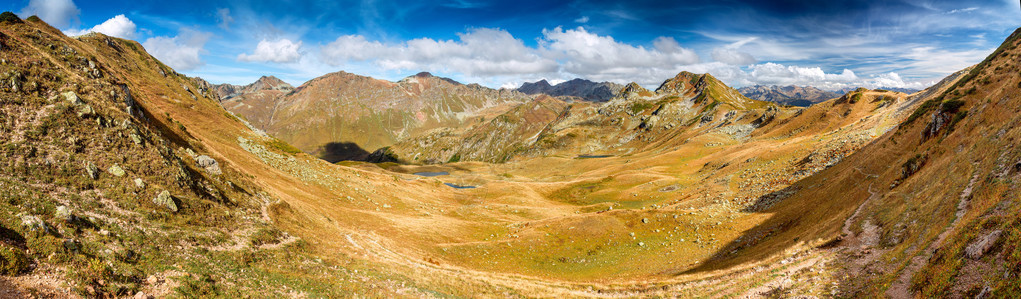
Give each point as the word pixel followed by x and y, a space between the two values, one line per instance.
pixel 165 200
pixel 33 223
pixel 139 183
pixel 116 170
pixel 64 213
pixel 70 96
pixel 91 170
pixel 979 248
pixel 85 111
pixel 645 220
pixel 135 138
pixel 209 164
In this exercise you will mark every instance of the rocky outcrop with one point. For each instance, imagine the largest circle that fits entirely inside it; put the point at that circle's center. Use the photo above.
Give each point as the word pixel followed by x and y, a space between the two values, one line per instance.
pixel 979 248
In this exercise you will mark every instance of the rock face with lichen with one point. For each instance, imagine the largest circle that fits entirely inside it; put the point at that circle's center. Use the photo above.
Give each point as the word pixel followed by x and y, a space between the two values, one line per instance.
pixel 165 200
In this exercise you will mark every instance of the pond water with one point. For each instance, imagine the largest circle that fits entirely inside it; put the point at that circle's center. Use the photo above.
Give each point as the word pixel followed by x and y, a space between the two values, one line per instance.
pixel 592 156
pixel 431 173
pixel 456 186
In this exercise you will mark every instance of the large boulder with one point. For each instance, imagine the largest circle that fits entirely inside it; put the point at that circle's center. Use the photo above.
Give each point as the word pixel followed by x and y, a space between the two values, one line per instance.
pixel 165 200
pixel 209 164
pixel 64 213
pixel 35 224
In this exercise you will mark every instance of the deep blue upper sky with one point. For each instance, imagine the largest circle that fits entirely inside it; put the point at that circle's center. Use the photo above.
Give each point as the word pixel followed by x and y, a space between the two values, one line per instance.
pixel 830 44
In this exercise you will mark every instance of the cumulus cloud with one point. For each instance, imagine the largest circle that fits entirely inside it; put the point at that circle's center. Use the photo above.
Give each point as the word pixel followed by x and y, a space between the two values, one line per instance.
pixel 279 51
pixel 494 56
pixel 182 52
pixel 58 13
pixel 478 52
pixel 598 57
pixel 118 26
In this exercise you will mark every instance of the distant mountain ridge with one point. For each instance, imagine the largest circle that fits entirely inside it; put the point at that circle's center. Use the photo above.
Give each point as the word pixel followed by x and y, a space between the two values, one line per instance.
pixel 793 95
pixel 343 116
pixel 227 91
pixel 578 88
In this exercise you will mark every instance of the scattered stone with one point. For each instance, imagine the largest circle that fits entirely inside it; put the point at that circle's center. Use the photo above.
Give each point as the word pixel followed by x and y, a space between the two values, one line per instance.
pixel 135 138
pixel 64 213
pixel 979 248
pixel 142 295
pixel 165 200
pixel 91 170
pixel 33 223
pixel 70 96
pixel 645 220
pixel 86 111
pixel 116 170
pixel 139 183
pixel 209 164
pixel 71 245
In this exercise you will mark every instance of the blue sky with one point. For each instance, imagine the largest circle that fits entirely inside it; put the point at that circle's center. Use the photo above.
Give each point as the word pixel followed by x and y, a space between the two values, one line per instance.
pixel 828 44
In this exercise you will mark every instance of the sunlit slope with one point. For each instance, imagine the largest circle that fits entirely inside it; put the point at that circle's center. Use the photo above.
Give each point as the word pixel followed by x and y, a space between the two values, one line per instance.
pixel 930 207
pixel 347 115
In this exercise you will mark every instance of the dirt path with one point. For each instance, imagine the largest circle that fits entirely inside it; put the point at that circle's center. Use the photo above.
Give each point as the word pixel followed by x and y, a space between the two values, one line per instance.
pixel 901 287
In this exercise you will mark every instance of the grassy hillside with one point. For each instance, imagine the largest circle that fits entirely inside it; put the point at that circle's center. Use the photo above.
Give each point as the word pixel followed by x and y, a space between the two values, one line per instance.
pixel 689 191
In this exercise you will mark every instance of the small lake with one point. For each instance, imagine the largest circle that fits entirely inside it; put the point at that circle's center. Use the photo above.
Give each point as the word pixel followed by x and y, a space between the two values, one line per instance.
pixel 431 173
pixel 592 156
pixel 456 186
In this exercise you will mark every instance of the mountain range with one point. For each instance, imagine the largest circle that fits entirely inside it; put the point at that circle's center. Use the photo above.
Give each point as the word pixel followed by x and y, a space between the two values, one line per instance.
pixel 122 177
pixel 574 89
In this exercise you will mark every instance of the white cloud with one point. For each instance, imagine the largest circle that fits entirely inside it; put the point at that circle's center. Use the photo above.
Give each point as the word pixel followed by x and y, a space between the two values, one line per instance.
pixel 224 18
pixel 58 13
pixel 279 51
pixel 118 26
pixel 494 57
pixel 182 52
pixel 731 56
pixel 933 60
pixel 478 52
pixel 582 19
pixel 596 57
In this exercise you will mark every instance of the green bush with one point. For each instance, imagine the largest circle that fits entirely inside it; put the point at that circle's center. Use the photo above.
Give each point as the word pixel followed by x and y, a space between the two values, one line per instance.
pixel 265 235
pixel 951 106
pixel 12 260
pixel 283 146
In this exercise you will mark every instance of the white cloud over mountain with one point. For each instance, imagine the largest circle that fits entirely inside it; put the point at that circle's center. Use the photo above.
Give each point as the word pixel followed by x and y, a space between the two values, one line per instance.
pixel 496 57
pixel 118 26
pixel 182 52
pixel 280 51
pixel 57 13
